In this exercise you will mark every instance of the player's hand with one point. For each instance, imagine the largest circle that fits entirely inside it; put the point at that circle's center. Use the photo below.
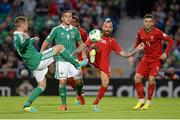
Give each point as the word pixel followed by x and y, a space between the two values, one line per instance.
pixel 163 56
pixel 36 38
pixel 140 46
pixel 131 60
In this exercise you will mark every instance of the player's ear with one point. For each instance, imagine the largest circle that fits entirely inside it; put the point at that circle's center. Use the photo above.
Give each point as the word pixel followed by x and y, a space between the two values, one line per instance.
pixel 61 18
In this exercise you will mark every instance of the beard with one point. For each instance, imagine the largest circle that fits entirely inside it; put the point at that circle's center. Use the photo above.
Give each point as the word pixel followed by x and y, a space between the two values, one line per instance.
pixel 107 33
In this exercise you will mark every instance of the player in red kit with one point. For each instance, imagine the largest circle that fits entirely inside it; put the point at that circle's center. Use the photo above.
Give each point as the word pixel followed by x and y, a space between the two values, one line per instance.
pixel 102 61
pixel 151 61
pixel 81 56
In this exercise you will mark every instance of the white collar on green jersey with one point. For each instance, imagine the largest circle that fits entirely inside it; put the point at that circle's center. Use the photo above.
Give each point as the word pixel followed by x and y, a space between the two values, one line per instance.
pixel 70 27
pixel 16 32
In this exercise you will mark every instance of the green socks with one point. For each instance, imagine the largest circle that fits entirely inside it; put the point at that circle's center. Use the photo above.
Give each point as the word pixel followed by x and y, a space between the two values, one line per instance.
pixel 67 56
pixel 79 88
pixel 62 94
pixel 35 93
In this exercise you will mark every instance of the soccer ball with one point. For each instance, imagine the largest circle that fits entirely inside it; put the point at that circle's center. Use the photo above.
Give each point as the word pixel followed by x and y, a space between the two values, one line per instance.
pixel 95 35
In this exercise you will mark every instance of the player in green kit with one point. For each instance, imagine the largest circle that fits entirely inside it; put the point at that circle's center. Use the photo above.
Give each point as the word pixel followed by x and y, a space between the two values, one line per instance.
pixel 66 35
pixel 37 62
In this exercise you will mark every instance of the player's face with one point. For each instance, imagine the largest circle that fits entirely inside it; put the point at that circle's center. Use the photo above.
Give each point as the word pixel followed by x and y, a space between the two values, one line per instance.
pixel 74 23
pixel 107 28
pixel 25 26
pixel 67 18
pixel 148 23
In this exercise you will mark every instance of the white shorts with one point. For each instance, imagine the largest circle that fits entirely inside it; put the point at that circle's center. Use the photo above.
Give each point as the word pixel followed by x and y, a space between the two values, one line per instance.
pixel 47 58
pixel 66 70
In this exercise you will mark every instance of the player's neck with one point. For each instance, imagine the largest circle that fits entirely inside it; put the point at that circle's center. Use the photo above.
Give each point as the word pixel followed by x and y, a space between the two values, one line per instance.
pixel 148 30
pixel 20 30
pixel 66 25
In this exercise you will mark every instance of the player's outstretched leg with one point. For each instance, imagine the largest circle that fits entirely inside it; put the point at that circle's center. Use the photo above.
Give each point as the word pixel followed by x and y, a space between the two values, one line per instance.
pixel 102 90
pixel 151 89
pixel 59 49
pixel 62 94
pixel 35 93
pixel 140 91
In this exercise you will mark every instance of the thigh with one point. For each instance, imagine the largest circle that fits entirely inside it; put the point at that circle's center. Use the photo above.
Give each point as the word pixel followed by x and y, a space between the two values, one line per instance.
pixel 143 68
pixel 154 68
pixel 62 70
pixel 47 59
pixel 40 74
pixel 49 53
pixel 75 73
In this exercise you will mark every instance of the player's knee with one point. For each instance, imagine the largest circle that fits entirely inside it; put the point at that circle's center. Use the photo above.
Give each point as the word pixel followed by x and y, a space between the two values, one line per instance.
pixel 138 78
pixel 62 82
pixel 105 83
pixel 79 82
pixel 151 80
pixel 42 85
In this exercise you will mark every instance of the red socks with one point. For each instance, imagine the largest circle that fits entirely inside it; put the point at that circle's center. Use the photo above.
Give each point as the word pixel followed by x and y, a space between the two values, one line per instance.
pixel 72 83
pixel 139 90
pixel 101 93
pixel 151 88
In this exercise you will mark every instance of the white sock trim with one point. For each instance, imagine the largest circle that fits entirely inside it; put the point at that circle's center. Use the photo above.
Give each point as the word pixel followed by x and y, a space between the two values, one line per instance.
pixel 148 102
pixel 141 100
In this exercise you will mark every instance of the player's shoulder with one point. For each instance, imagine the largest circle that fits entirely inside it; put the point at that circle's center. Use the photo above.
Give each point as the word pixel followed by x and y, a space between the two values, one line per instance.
pixel 157 30
pixel 18 35
pixel 112 39
pixel 74 28
pixel 140 30
pixel 82 30
pixel 57 27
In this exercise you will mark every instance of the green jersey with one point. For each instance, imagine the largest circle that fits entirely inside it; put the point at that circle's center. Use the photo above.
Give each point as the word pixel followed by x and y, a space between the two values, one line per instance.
pixel 26 50
pixel 65 36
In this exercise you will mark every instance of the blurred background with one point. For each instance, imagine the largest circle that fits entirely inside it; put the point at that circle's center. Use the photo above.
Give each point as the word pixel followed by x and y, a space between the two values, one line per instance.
pixel 126 16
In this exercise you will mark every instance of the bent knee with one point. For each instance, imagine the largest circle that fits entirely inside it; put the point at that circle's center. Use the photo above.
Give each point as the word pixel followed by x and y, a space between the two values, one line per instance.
pixel 138 77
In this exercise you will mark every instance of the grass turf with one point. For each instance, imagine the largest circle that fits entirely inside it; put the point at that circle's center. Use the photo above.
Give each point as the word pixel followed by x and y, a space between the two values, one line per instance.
pixel 111 107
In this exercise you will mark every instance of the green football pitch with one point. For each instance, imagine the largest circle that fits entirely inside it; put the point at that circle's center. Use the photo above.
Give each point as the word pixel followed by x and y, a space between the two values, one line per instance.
pixel 111 108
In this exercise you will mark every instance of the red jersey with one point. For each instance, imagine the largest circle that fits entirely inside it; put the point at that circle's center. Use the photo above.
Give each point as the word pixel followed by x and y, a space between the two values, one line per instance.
pixel 84 36
pixel 105 47
pixel 153 43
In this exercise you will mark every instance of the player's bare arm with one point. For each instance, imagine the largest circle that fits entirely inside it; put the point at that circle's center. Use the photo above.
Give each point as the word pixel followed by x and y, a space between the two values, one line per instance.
pixel 44 46
pixel 81 47
pixel 129 54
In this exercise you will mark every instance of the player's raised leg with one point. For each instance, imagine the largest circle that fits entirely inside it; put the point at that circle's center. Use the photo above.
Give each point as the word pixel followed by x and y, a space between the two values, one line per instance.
pixel 151 89
pixel 102 90
pixel 140 90
pixel 59 49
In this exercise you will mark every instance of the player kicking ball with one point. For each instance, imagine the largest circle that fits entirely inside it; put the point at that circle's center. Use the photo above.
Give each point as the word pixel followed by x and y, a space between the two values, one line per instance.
pixel 151 61
pixel 37 62
pixel 99 53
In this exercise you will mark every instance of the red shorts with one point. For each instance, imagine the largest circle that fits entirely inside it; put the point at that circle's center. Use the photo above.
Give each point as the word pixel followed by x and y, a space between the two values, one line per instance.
pixel 148 68
pixel 102 63
pixel 103 67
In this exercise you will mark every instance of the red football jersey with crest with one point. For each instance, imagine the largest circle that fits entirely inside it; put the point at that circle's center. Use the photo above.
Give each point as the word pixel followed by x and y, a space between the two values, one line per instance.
pixel 153 43
pixel 105 47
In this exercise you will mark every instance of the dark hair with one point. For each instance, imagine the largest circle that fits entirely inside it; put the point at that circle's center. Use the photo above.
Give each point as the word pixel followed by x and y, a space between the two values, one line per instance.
pixel 19 20
pixel 66 11
pixel 149 16
pixel 76 18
